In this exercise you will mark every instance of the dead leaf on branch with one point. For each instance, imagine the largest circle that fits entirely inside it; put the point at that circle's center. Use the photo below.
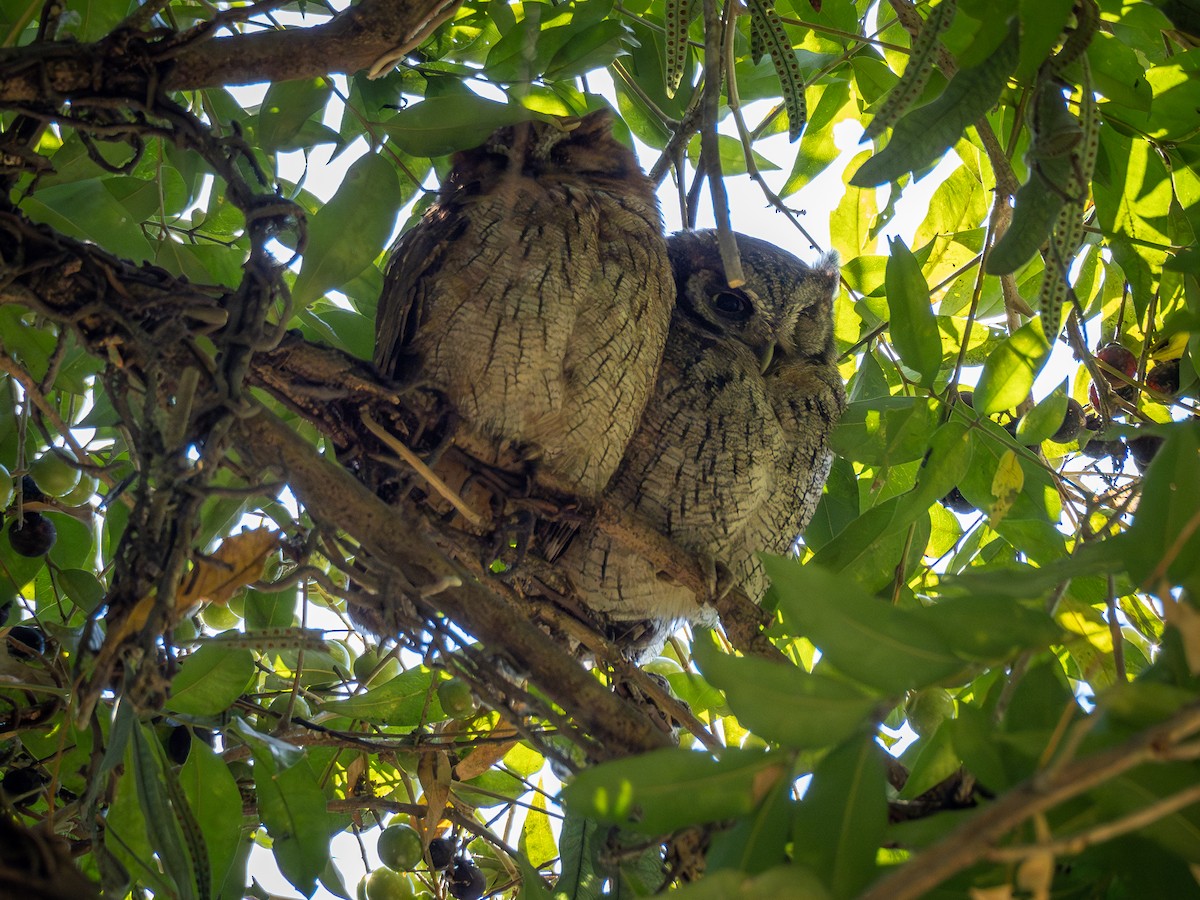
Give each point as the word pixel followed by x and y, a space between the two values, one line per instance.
pixel 237 562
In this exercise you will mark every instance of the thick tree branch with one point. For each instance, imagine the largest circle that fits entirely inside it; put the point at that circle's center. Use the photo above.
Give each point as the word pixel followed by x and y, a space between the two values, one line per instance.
pixel 366 36
pixel 975 839
pixel 333 495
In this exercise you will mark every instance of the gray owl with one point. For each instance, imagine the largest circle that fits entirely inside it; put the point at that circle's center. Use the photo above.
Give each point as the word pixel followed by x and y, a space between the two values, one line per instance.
pixel 536 294
pixel 733 450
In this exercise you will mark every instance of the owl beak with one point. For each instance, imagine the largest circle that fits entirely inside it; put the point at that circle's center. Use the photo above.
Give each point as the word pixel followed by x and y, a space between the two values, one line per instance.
pixel 764 361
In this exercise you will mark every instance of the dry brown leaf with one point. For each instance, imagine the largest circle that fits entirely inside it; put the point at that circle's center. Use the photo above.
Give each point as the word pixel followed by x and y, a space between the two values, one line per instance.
pixel 435 773
pixel 237 562
pixel 484 756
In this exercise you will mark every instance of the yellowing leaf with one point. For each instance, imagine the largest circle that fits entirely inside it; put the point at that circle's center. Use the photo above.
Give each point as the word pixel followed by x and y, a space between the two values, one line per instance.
pixel 237 562
pixel 1006 485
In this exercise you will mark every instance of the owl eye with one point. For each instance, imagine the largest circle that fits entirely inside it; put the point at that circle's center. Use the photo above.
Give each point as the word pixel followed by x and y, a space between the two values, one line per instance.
pixel 732 305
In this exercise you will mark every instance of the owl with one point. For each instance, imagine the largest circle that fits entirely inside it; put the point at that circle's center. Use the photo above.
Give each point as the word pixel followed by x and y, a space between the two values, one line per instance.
pixel 733 449
pixel 536 294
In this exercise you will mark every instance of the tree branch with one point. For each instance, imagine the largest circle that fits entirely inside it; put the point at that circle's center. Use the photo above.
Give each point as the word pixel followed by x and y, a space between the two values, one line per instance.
pixel 368 36
pixel 975 839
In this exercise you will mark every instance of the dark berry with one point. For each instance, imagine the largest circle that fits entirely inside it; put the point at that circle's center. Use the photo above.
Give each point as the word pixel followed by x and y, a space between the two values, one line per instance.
pixel 26 642
pixel 441 853
pixel 967 398
pixel 1096 448
pixel 19 783
pixel 957 502
pixel 1143 449
pixel 32 535
pixel 467 881
pixel 1120 358
pixel 30 492
pixel 1123 360
pixel 179 742
pixel 1164 378
pixel 1072 423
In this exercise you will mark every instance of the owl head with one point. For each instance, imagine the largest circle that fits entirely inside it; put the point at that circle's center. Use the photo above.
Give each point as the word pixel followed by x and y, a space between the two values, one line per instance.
pixel 784 311
pixel 576 148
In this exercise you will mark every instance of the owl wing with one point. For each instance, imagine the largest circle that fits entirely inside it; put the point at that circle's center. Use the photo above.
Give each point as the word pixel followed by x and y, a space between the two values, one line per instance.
pixel 415 258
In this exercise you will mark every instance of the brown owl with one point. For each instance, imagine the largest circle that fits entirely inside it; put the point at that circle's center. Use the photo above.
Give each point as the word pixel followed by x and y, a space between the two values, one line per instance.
pixel 536 294
pixel 733 450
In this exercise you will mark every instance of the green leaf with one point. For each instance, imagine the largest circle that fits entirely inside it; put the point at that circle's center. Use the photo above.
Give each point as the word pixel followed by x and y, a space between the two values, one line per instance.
pixel 85 589
pixel 1010 370
pixel 840 823
pixel 1042 22
pixel 780 883
pixel 1162 548
pixel 595 46
pixel 210 680
pixel 912 327
pixel 216 802
pixel 862 636
pixel 821 711
pixel 292 806
pixel 1035 209
pixel 667 789
pixel 84 209
pixel 929 131
pixel 442 125
pixel 1043 420
pixel 408 699
pixel 758 841
pixel 348 233
pixel 287 106
pixel 989 629
pixel 935 762
pixel 274 609
pixel 579 842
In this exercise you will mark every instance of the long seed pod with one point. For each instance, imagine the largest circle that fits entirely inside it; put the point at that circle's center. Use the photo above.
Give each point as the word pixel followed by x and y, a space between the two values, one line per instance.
pixel 1068 227
pixel 774 37
pixel 676 21
pixel 916 73
pixel 1087 21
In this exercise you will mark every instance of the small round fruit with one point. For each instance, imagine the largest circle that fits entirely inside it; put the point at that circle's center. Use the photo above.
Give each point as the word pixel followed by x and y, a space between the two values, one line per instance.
pixel 53 474
pixel 386 884
pixel 25 642
pixel 957 502
pixel 467 881
pixel 19 783
pixel 456 698
pixel 1164 378
pixel 1121 359
pixel 300 708
pixel 399 847
pixel 1072 423
pixel 1096 448
pixel 179 743
pixel 367 669
pixel 82 493
pixel 30 492
pixel 32 535
pixel 219 617
pixel 185 631
pixel 441 853
pixel 1143 450
pixel 927 710
pixel 6 488
pixel 664 666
